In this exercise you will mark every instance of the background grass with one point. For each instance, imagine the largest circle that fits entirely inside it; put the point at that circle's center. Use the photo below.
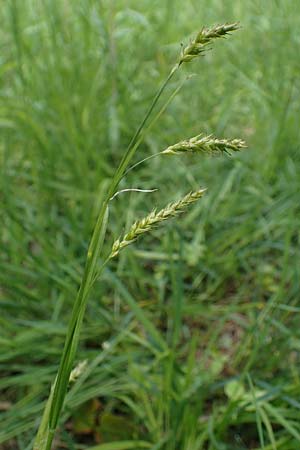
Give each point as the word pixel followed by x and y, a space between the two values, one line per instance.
pixel 192 337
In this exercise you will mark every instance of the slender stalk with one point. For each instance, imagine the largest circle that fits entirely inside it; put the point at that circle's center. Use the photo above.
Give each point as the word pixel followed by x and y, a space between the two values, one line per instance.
pixel 157 116
pixel 131 149
pixel 142 161
pixel 55 402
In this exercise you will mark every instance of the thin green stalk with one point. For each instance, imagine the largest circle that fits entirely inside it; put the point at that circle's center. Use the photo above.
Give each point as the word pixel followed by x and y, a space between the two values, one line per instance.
pixel 131 149
pixel 257 412
pixel 55 403
pixel 157 116
pixel 142 161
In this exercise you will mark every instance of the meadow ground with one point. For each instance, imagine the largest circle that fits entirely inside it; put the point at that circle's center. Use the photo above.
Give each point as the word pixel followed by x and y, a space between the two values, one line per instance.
pixel 191 337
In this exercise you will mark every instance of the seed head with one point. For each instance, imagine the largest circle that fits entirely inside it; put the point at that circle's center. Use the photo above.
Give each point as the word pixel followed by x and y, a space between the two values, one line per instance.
pixel 205 144
pixel 203 38
pixel 77 371
pixel 154 219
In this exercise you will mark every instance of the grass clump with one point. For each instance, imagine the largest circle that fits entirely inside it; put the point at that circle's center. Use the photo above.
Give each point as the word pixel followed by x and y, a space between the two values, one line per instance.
pixel 173 326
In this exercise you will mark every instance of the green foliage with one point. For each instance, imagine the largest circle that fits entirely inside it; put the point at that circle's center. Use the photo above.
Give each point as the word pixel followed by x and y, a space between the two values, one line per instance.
pixel 177 320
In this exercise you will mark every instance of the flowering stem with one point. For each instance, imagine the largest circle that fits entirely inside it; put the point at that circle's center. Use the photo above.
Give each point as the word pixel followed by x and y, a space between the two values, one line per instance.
pixel 54 404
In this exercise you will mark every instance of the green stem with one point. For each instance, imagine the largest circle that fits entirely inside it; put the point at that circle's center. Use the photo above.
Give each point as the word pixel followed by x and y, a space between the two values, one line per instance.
pixel 142 161
pixel 157 116
pixel 132 147
pixel 55 403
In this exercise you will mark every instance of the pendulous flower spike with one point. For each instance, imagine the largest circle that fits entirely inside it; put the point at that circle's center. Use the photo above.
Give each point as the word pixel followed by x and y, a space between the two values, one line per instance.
pixel 154 219
pixel 205 144
pixel 203 38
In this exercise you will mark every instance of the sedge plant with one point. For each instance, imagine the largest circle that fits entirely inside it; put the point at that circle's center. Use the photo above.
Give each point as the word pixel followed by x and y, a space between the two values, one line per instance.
pixel 198 144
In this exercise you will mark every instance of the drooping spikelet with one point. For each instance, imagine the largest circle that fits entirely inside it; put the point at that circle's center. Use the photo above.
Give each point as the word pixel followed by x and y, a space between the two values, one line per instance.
pixel 77 371
pixel 154 219
pixel 205 144
pixel 203 38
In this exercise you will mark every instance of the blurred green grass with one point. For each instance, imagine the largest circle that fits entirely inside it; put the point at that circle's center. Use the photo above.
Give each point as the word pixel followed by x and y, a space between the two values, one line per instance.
pixel 221 287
